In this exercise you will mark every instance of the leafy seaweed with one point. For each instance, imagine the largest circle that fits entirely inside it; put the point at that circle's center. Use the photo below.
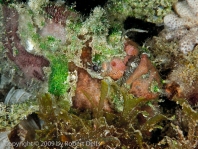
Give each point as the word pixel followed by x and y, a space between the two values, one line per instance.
pixel 187 109
pixel 102 129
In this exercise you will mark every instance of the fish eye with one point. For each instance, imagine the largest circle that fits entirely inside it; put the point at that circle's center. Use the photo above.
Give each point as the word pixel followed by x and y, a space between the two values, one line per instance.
pixel 95 68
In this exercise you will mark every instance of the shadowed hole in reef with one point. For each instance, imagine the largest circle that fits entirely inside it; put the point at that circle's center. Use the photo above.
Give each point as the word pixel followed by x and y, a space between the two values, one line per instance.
pixel 156 136
pixel 159 133
pixel 164 73
pixel 168 106
pixel 11 1
pixel 2 97
pixel 85 7
pixel 140 37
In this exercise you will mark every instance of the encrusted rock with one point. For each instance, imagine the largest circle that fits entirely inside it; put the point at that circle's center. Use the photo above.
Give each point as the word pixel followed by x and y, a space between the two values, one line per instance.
pixel 183 25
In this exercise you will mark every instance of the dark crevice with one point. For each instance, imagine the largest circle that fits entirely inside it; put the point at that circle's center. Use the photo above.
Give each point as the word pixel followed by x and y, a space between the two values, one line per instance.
pixel 141 37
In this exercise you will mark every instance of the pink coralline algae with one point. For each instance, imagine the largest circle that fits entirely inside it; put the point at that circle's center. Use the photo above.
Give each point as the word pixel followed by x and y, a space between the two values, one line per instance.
pixel 30 64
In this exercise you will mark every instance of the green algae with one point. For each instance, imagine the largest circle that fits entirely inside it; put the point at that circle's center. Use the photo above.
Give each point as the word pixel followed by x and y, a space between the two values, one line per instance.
pixel 58 84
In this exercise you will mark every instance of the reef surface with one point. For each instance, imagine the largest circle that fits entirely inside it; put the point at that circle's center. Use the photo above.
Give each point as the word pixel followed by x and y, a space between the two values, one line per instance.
pixel 69 80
